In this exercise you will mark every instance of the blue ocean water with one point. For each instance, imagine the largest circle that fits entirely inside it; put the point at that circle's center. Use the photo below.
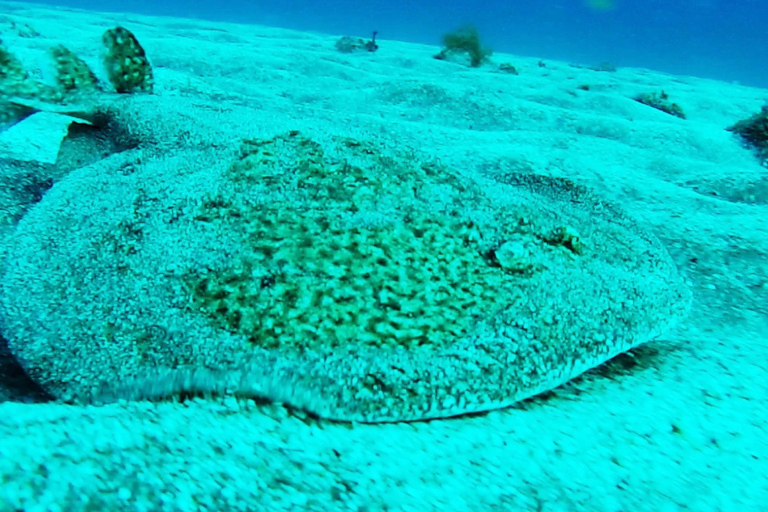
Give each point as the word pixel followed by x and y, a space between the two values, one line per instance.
pixel 721 39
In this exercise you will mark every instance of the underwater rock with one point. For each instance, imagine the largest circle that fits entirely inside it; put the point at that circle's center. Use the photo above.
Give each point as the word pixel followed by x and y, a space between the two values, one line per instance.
pixel 349 44
pixel 754 131
pixel 126 62
pixel 46 130
pixel 660 101
pixel 76 85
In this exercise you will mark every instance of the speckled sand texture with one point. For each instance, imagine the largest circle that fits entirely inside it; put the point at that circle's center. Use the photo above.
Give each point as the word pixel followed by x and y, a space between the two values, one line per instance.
pixel 678 425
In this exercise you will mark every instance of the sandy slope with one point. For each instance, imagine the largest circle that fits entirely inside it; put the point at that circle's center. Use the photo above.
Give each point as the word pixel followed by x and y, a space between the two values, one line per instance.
pixel 685 431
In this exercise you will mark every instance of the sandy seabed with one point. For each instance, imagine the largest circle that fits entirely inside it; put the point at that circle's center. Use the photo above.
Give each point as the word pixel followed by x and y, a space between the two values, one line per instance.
pixel 687 432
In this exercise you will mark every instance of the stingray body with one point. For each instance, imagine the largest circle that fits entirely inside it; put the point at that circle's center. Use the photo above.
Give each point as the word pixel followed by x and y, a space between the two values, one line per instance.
pixel 351 282
pixel 326 272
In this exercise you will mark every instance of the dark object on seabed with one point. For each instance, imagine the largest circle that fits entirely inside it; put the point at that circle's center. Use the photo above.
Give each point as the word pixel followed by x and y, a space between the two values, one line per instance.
pixel 126 62
pixel 754 131
pixel 506 67
pixel 464 42
pixel 605 67
pixel 355 44
pixel 661 101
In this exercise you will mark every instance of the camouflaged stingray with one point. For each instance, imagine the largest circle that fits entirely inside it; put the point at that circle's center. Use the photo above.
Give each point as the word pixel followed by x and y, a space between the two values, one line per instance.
pixel 323 272
pixel 329 274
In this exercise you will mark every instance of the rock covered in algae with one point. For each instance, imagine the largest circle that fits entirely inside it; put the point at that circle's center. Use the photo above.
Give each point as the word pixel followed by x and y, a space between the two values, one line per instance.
pixel 351 282
pixel 126 62
pixel 73 75
pixel 75 84
pixel 16 85
pixel 49 128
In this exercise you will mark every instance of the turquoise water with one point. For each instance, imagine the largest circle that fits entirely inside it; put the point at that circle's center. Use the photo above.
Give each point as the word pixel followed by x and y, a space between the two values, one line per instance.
pixel 720 39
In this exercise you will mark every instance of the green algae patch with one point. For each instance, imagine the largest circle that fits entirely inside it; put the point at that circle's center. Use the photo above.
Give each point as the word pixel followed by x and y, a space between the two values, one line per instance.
pixel 312 274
